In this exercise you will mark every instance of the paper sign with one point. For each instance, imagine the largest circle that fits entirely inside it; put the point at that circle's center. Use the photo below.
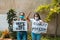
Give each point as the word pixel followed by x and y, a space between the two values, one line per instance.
pixel 20 26
pixel 40 28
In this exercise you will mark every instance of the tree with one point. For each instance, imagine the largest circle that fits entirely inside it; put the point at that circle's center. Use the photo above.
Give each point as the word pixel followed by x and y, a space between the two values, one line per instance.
pixel 52 9
pixel 11 14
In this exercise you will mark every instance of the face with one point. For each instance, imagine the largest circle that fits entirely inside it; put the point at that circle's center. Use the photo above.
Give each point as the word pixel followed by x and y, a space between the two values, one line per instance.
pixel 22 13
pixel 22 16
pixel 36 17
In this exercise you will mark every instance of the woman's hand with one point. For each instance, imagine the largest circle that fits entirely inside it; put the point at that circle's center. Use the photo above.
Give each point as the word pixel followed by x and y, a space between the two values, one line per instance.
pixel 41 22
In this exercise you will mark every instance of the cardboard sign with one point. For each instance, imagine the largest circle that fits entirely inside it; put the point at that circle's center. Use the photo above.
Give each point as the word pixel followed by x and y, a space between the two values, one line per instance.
pixel 40 28
pixel 20 26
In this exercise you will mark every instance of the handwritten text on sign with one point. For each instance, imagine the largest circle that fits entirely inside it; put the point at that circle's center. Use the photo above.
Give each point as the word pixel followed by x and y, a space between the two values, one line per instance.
pixel 20 26
pixel 40 28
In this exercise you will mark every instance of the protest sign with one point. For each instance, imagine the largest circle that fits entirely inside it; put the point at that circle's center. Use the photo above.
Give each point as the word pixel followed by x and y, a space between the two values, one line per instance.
pixel 40 28
pixel 20 26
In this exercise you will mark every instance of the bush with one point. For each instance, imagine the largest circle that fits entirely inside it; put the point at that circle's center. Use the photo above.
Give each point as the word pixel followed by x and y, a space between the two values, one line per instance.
pixel 0 33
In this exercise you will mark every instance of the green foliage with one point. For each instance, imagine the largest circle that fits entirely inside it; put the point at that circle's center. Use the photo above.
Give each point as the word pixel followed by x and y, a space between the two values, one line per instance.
pixel 0 33
pixel 10 16
pixel 42 8
pixel 13 35
pixel 52 9
pixel 50 38
pixel 46 37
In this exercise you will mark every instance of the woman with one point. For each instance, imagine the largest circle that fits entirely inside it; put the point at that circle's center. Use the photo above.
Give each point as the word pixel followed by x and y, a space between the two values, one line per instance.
pixel 36 21
pixel 22 35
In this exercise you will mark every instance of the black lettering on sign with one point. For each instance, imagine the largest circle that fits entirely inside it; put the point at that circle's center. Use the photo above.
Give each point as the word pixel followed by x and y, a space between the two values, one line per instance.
pixel 20 25
pixel 39 29
pixel 17 28
pixel 35 28
pixel 36 23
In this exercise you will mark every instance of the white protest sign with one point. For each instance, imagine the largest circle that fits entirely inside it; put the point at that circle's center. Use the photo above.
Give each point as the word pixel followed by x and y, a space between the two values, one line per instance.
pixel 40 28
pixel 20 26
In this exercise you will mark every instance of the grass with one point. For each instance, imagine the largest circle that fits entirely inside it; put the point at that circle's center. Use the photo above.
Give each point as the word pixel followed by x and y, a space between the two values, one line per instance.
pixel 45 37
pixel 50 38
pixel 0 33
